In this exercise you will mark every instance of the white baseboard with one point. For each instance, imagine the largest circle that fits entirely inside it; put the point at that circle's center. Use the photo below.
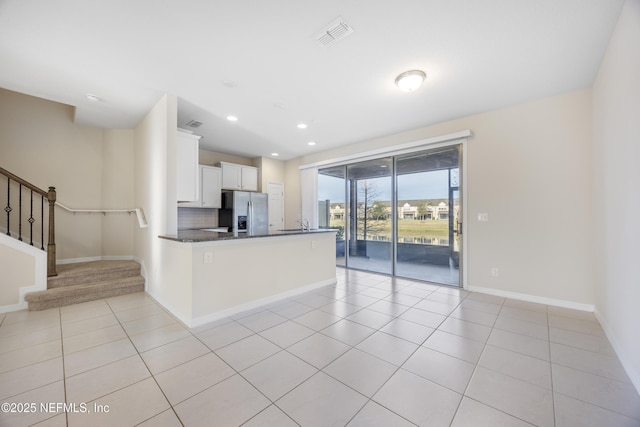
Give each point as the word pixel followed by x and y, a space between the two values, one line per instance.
pixel 202 320
pixel 532 298
pixel 168 307
pixel 96 258
pixel 14 307
pixel 630 369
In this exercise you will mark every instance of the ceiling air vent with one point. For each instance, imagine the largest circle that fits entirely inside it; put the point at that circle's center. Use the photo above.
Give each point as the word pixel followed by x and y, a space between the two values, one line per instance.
pixel 333 32
pixel 194 124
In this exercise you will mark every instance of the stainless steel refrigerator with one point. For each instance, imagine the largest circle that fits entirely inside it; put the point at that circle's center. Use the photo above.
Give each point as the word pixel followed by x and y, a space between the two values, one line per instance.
pixel 244 211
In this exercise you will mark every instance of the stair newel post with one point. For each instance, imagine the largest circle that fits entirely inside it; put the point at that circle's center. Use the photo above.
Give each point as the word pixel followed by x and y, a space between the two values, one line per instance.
pixel 51 246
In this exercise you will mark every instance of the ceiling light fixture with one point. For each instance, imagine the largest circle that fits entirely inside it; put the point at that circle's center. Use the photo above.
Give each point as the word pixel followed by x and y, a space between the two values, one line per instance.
pixel 311 143
pixel 410 80
pixel 232 118
pixel 93 98
pixel 302 126
pixel 274 154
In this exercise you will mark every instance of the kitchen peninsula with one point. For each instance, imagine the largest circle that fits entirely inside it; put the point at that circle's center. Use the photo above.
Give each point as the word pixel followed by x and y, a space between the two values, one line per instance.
pixel 219 274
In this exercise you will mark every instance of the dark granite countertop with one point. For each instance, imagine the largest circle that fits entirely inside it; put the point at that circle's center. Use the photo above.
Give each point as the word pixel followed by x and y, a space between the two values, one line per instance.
pixel 199 235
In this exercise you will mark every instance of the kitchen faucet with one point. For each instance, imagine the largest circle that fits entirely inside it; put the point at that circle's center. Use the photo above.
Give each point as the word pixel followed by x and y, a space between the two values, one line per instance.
pixel 304 224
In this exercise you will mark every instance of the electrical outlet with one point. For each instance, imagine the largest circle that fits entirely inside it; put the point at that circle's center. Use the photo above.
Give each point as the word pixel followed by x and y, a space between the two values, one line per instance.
pixel 495 272
pixel 208 257
pixel 313 244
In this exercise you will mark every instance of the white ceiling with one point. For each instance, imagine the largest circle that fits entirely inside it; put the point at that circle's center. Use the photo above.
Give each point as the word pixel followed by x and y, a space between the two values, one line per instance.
pixel 478 55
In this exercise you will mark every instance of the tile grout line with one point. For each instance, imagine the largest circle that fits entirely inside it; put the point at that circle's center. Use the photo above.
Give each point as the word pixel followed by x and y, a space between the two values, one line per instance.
pixel 418 346
pixel 475 368
pixel 146 367
pixel 64 369
pixel 394 317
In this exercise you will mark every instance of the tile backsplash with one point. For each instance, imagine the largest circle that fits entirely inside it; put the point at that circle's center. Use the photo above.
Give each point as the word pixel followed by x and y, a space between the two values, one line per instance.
pixel 197 218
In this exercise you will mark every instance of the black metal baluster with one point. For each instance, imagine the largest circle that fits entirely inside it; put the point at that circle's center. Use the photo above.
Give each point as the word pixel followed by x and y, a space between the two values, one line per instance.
pixel 20 213
pixel 8 208
pixel 42 222
pixel 31 220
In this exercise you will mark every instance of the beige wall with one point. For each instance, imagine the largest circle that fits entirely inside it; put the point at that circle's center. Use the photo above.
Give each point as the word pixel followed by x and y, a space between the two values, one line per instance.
pixel 518 159
pixel 212 158
pixel 40 142
pixel 616 200
pixel 117 192
pixel 271 170
pixel 280 266
pixel 167 266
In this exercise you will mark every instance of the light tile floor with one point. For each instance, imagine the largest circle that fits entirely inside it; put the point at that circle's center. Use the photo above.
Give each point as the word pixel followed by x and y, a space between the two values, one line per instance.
pixel 370 351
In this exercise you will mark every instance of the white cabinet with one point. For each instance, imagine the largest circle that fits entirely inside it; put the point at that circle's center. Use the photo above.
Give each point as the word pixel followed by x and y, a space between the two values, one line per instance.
pixel 249 178
pixel 187 173
pixel 210 179
pixel 231 176
pixel 239 177
pixel 211 187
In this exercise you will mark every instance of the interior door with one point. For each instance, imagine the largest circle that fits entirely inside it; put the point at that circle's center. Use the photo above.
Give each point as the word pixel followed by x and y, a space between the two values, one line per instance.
pixel 276 205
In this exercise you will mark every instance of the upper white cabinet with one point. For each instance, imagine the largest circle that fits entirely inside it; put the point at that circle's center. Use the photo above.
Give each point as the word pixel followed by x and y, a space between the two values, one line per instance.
pixel 231 176
pixel 188 173
pixel 210 191
pixel 239 177
pixel 211 187
pixel 249 178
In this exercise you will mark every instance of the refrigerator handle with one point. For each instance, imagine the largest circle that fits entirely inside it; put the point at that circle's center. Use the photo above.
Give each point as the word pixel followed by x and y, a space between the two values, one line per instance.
pixel 250 219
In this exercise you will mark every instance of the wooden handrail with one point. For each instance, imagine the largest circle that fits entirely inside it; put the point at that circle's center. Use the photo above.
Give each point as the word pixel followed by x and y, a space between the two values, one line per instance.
pixel 50 195
pixel 24 182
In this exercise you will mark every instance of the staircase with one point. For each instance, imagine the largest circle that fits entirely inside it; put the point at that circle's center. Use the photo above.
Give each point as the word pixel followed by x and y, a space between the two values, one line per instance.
pixel 87 281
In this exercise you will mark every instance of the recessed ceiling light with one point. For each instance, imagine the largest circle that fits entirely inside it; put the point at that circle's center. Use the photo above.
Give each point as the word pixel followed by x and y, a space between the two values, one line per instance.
pixel 410 80
pixel 274 154
pixel 232 118
pixel 302 126
pixel 311 143
pixel 93 98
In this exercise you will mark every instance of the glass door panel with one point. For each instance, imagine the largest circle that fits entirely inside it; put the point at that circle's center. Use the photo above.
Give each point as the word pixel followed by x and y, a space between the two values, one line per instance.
pixel 428 212
pixel 331 206
pixel 369 213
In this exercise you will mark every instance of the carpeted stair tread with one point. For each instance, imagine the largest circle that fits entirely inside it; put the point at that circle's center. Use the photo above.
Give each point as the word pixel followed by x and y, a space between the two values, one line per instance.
pixel 92 272
pixel 73 294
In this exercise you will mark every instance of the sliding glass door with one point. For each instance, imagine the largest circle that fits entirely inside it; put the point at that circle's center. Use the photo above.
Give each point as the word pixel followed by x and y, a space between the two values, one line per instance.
pixel 397 215
pixel 332 207
pixel 370 236
pixel 428 204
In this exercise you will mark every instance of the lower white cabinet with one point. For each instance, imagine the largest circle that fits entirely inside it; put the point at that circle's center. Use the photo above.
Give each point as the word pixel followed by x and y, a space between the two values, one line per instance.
pixel 210 189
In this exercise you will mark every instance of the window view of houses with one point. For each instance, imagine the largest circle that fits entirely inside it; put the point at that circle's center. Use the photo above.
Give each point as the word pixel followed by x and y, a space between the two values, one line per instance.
pixel 419 221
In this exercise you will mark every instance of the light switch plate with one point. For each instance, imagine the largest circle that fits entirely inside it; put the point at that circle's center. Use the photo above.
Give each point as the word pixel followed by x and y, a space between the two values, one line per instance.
pixel 483 217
